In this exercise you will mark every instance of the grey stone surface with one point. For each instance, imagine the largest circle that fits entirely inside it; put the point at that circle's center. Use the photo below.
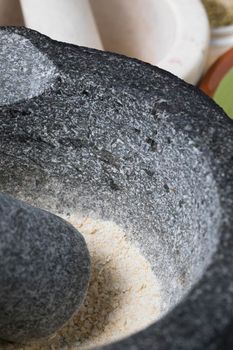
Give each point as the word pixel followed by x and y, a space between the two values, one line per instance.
pixel 119 139
pixel 32 75
pixel 44 271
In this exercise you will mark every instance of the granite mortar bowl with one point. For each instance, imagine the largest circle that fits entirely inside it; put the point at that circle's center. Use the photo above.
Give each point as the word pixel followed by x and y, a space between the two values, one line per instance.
pixel 94 132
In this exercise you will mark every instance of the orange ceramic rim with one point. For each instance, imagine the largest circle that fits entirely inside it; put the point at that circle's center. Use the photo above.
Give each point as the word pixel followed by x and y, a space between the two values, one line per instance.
pixel 216 73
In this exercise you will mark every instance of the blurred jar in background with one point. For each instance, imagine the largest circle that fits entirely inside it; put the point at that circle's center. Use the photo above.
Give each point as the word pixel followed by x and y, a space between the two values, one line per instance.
pixel 220 14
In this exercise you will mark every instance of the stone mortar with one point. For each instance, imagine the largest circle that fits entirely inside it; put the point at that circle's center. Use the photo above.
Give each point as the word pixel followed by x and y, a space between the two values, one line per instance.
pixel 119 139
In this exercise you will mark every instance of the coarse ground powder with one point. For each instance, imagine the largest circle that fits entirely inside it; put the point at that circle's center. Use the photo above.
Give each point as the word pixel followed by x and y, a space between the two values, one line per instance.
pixel 123 295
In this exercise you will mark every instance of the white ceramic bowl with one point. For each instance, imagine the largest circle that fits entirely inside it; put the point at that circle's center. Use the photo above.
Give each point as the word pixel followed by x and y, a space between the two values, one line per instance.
pixel 64 20
pixel 173 34
pixel 189 32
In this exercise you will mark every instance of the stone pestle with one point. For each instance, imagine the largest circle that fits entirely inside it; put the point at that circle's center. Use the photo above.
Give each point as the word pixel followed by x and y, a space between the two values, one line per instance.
pixel 44 271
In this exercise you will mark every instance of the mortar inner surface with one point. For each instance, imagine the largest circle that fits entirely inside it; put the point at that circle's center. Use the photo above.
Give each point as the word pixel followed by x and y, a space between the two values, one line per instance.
pixel 159 189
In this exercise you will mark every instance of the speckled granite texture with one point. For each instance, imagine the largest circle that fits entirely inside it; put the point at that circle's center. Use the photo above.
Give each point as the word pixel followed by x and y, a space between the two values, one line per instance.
pixel 119 139
pixel 44 271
